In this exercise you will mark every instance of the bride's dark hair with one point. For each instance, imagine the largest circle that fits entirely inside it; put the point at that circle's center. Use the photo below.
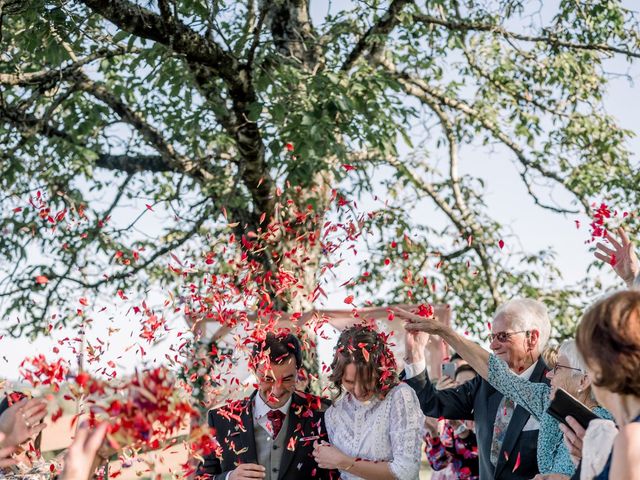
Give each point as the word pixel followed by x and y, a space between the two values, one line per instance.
pixel 368 350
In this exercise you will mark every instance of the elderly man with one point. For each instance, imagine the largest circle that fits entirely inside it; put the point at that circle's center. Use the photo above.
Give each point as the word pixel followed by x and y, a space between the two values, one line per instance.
pixel 507 436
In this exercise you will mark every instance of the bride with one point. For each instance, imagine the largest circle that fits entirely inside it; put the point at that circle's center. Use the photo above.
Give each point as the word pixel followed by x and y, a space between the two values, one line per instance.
pixel 375 425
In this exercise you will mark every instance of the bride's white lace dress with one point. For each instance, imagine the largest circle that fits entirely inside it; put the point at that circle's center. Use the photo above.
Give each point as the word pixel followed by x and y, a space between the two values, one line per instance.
pixel 388 430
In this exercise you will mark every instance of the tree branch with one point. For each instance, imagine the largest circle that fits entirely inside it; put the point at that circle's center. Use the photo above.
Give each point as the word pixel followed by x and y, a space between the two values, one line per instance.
pixel 132 163
pixel 450 213
pixel 421 90
pixel 50 76
pixel 172 33
pixel 549 38
pixel 368 41
pixel 150 134
pixel 143 265
pixel 198 49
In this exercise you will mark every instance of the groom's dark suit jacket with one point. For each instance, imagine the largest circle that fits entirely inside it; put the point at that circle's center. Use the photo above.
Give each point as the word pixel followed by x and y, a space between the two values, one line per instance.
pixel 477 400
pixel 234 431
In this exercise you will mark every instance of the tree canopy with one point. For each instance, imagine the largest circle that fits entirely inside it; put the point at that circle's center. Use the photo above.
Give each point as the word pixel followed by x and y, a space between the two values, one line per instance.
pixel 205 110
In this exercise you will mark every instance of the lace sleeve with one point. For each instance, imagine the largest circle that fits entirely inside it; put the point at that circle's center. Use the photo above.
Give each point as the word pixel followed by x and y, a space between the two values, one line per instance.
pixel 406 425
pixel 532 396
pixel 329 422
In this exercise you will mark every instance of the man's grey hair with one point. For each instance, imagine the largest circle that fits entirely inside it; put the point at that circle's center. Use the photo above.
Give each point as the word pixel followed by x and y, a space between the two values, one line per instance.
pixel 569 349
pixel 527 314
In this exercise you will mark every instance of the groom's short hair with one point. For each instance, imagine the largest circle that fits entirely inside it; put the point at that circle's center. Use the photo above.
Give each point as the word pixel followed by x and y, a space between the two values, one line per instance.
pixel 280 346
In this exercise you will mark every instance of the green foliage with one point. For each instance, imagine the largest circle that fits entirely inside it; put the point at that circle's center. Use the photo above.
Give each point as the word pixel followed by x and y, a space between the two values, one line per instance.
pixel 128 118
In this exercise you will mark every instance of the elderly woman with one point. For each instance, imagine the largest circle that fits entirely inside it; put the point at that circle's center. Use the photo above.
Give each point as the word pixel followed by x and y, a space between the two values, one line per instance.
pixel 569 373
pixel 608 338
pixel 375 426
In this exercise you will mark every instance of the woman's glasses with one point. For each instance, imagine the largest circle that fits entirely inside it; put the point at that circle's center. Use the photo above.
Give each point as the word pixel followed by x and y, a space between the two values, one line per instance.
pixel 558 366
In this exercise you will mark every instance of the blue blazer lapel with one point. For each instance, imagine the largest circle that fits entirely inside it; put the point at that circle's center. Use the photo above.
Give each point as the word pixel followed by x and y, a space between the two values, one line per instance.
pixel 518 421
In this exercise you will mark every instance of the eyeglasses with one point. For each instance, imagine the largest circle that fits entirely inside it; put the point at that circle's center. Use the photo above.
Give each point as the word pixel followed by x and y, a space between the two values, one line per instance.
pixel 502 337
pixel 557 366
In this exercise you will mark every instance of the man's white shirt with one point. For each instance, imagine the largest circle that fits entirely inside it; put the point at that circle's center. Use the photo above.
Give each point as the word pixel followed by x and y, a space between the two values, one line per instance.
pixel 260 410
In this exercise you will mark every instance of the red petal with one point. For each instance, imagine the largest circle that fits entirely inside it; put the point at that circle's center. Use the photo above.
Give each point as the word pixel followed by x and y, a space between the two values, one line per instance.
pixel 515 467
pixel 365 354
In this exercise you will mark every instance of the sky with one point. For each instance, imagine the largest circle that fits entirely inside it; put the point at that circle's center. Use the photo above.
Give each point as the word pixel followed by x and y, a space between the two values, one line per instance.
pixel 533 227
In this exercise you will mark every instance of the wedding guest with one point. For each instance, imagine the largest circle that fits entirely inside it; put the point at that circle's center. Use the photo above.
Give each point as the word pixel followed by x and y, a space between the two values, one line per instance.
pixel 590 448
pixel 6 453
pixel 608 337
pixel 453 453
pixel 21 418
pixel 271 433
pixel 569 373
pixel 21 425
pixel 82 459
pixel 550 355
pixel 507 433
pixel 375 425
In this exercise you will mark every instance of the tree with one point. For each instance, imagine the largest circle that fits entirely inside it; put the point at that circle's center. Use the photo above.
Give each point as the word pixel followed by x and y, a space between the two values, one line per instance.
pixel 205 109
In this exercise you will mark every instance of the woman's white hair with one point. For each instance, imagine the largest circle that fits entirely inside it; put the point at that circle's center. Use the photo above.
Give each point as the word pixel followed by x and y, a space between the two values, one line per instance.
pixel 527 314
pixel 569 349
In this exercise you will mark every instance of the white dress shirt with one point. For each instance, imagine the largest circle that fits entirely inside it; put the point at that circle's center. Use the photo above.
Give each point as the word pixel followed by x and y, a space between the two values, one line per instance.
pixel 260 410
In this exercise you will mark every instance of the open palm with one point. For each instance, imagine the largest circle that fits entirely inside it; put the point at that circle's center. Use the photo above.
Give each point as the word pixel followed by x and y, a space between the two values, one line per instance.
pixel 620 255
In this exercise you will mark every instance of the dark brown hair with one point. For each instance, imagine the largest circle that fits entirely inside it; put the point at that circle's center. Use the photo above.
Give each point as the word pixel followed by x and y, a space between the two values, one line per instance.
pixel 609 337
pixel 465 367
pixel 369 352
pixel 279 347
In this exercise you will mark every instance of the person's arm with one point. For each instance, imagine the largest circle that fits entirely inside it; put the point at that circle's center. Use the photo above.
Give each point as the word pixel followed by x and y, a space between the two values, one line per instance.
pixel 473 353
pixel 620 255
pixel 532 396
pixel 453 403
pixel 406 429
pixel 625 461
pixel 573 435
pixel 329 457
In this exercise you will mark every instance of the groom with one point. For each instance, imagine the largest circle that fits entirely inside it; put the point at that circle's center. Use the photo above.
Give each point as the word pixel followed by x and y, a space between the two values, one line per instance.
pixel 270 434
